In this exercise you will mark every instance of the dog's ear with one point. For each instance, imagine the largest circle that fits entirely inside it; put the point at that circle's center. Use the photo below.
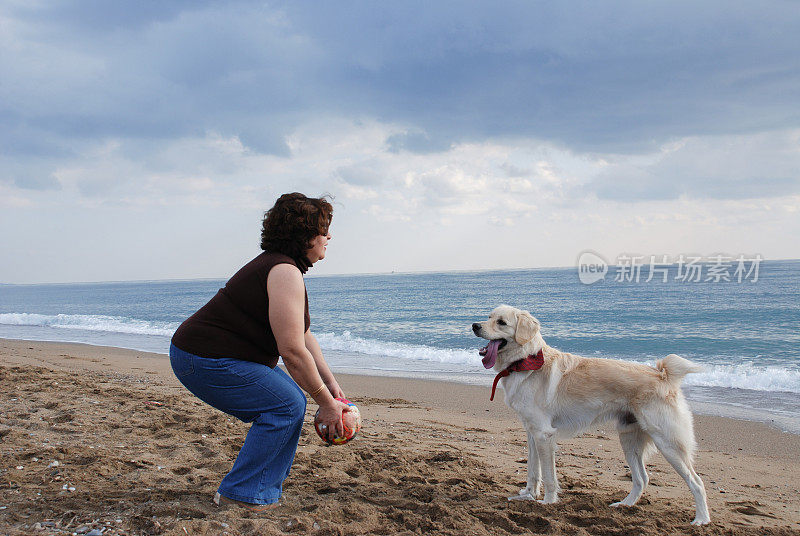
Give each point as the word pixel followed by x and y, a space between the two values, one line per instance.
pixel 527 327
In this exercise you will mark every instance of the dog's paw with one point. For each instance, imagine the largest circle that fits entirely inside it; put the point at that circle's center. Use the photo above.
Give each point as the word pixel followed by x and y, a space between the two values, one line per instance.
pixel 535 490
pixel 701 521
pixel 549 498
pixel 620 503
pixel 524 495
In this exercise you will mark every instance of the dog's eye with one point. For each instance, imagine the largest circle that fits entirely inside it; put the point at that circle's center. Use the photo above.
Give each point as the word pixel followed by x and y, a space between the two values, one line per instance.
pixel 501 322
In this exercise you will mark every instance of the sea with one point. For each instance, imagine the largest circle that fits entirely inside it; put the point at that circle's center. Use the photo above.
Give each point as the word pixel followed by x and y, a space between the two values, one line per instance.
pixel 744 331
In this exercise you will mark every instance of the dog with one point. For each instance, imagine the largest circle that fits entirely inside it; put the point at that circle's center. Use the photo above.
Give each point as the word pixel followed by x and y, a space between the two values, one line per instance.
pixel 561 395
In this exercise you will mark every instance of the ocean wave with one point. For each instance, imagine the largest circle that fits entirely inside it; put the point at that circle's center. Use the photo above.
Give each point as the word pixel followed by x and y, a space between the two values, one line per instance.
pixel 346 342
pixel 747 376
pixel 742 376
pixel 112 324
pixel 736 376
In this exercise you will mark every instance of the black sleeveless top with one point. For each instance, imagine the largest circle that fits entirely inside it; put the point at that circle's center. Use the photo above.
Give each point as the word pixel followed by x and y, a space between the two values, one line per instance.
pixel 235 323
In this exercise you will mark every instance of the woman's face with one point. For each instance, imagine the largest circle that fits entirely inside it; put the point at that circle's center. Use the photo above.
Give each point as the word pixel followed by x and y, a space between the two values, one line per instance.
pixel 317 250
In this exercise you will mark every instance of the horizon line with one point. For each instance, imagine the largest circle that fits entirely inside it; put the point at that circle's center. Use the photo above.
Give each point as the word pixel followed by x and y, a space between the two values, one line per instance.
pixel 345 274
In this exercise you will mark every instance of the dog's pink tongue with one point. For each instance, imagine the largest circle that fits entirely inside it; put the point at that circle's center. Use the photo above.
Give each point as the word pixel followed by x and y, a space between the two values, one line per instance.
pixel 491 354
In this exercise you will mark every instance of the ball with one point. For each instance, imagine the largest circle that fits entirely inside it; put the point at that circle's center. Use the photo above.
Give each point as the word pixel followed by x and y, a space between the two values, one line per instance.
pixel 351 420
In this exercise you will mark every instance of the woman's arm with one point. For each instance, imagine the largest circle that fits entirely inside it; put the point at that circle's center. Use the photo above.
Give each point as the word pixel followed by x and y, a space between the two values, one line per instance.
pixel 322 365
pixel 286 311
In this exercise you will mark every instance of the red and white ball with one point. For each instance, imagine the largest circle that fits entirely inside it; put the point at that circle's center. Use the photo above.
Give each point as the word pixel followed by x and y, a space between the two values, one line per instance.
pixel 351 421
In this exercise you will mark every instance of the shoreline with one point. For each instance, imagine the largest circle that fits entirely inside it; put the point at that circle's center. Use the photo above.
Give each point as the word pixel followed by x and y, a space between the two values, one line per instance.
pixel 431 391
pixel 428 449
pixel 700 408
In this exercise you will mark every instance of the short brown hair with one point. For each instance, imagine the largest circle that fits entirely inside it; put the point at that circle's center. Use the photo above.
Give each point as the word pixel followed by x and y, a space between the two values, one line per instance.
pixel 294 221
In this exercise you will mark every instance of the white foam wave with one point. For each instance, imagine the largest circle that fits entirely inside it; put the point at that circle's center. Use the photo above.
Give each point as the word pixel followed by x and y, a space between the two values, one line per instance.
pixel 346 342
pixel 736 376
pixel 743 376
pixel 112 324
pixel 747 376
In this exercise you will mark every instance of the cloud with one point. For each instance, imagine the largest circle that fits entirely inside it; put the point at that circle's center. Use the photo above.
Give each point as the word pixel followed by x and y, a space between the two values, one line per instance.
pixel 361 174
pixel 716 167
pixel 35 176
pixel 415 142
pixel 607 77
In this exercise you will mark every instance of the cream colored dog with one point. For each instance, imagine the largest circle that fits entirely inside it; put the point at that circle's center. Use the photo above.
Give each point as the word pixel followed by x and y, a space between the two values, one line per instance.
pixel 570 393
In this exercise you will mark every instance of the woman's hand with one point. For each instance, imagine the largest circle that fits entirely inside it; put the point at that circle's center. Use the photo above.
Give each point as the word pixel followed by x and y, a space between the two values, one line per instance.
pixel 335 390
pixel 330 416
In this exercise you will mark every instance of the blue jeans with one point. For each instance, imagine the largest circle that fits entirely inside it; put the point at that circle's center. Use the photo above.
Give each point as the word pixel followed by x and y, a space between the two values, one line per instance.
pixel 254 393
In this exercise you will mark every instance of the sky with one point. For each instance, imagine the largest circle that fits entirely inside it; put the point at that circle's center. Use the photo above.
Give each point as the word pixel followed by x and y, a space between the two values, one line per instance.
pixel 144 140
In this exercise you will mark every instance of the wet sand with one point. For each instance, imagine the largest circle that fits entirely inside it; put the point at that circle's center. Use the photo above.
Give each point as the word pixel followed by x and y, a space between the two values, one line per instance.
pixel 137 454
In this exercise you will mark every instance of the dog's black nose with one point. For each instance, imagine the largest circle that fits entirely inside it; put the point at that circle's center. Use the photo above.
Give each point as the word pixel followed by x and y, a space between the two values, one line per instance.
pixel 476 327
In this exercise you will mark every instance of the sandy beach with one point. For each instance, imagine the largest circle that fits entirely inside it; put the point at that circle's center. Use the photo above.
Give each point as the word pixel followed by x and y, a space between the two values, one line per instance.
pixel 99 440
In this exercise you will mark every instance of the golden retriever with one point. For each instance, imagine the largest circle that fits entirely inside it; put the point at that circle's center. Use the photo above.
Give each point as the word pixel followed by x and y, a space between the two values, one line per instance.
pixel 567 394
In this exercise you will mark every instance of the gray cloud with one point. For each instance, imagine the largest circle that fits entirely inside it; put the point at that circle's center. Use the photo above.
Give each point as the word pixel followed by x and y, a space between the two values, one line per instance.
pixel 721 167
pixel 513 171
pixel 593 75
pixel 416 142
pixel 363 174
pixel 36 175
pixel 35 180
pixel 620 77
pixel 644 185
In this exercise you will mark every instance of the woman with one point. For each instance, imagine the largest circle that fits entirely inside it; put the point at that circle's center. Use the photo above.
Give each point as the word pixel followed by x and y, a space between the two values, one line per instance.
pixel 226 353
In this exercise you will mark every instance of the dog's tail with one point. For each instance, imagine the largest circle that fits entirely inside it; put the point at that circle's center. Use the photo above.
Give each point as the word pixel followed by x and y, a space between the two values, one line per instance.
pixel 673 368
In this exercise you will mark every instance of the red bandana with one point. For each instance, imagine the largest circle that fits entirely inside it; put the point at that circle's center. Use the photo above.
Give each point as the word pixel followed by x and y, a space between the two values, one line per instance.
pixel 532 362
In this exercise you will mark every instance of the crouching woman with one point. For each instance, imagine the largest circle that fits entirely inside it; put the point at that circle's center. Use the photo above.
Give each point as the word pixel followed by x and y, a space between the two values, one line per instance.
pixel 227 353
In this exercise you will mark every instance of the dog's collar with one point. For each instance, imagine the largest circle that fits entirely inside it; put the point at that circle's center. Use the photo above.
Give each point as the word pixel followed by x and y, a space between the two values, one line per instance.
pixel 532 362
